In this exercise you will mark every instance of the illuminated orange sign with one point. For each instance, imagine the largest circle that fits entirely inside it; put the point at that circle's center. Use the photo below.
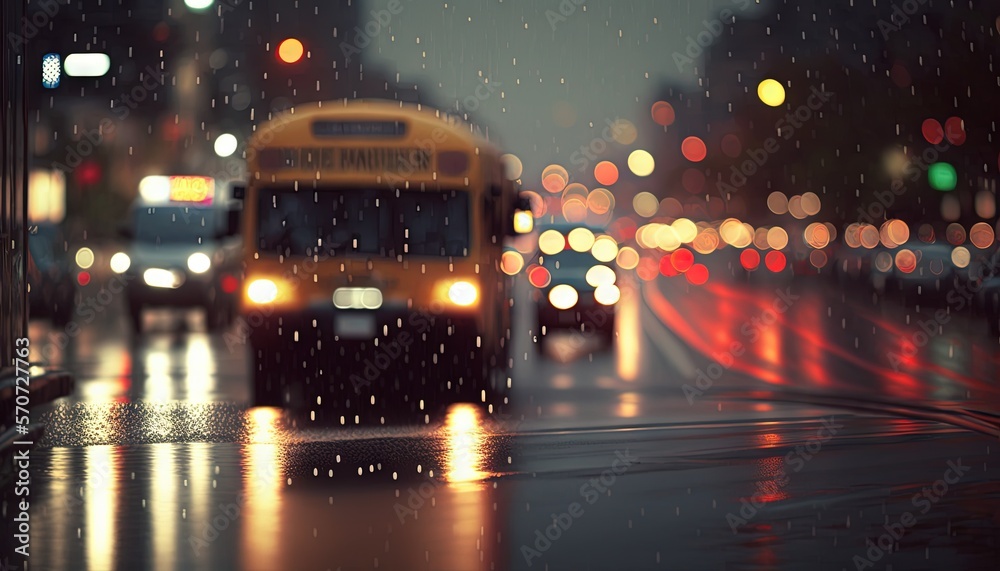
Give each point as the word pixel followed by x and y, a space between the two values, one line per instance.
pixel 192 189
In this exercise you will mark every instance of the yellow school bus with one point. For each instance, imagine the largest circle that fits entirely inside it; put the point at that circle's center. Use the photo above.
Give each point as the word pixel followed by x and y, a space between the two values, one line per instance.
pixel 373 234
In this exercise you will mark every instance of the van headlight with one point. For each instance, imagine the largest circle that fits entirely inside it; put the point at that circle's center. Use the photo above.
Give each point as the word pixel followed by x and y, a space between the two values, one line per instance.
pixel 199 263
pixel 463 293
pixel 262 291
pixel 120 263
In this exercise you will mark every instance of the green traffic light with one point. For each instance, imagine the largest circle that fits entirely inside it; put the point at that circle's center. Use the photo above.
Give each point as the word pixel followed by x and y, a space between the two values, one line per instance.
pixel 942 176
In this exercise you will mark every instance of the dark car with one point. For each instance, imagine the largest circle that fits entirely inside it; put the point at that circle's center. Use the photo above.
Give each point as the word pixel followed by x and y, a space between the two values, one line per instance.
pixel 575 290
pixel 51 285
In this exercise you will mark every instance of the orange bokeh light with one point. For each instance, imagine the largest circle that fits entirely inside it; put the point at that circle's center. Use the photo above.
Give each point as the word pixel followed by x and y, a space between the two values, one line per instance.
pixel 290 50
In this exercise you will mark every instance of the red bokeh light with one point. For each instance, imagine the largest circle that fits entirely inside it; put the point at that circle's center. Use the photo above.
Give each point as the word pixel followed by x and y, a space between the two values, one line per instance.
pixel 955 131
pixel 775 261
pixel 84 278
pixel 667 268
pixel 750 259
pixel 229 284
pixel 681 259
pixel 697 275
pixel 606 173
pixel 694 149
pixel 539 276
pixel 932 131
pixel 663 113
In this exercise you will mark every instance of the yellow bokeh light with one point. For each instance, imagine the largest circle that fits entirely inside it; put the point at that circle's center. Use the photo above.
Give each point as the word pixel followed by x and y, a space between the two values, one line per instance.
pixel 771 92
pixel 605 248
pixel 624 132
pixel 777 202
pixel 811 204
pixel 645 204
pixel 666 238
pixel 523 222
pixel 581 239
pixel 511 262
pixel 551 242
pixel 512 166
pixel 641 163
pixel 85 258
pixel 777 238
pixel 686 230
pixel 627 258
pixel 600 275
pixel 961 257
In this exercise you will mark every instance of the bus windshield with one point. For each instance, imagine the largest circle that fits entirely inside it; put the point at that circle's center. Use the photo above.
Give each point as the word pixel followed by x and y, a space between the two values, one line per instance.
pixel 368 222
pixel 174 224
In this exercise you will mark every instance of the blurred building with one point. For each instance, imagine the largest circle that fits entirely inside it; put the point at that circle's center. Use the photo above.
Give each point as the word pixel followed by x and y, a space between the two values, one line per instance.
pixel 182 73
pixel 888 72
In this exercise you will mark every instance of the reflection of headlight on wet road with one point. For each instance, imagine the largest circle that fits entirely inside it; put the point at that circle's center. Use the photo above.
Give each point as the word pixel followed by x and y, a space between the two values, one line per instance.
pixel 199 263
pixel 120 262
pixel 157 277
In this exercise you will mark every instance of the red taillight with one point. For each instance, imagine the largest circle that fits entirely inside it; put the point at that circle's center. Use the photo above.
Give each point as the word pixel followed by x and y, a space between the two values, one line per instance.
pixel 83 278
pixel 229 284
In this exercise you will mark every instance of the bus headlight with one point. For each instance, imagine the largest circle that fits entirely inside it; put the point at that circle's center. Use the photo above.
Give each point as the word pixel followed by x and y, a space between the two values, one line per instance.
pixel 262 291
pixel 199 263
pixel 563 296
pixel 463 293
pixel 120 262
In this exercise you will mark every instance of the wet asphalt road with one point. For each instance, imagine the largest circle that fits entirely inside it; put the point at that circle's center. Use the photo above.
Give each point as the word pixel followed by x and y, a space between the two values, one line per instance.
pixel 820 431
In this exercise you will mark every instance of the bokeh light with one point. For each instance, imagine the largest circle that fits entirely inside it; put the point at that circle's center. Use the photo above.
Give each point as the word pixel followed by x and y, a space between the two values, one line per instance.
pixel 512 166
pixel 645 204
pixel 539 276
pixel 906 261
pixel 681 259
pixel 932 131
pixel 551 242
pixel 697 274
pixel 777 238
pixel 694 149
pixel 775 261
pixel 663 113
pixel 961 257
pixel 605 249
pixel 511 262
pixel 641 163
pixel 777 202
pixel 627 258
pixel 290 50
pixel 580 239
pixel 606 173
pixel 942 176
pixel 811 204
pixel 981 235
pixel 771 92
pixel 954 130
pixel 750 259
pixel 955 234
